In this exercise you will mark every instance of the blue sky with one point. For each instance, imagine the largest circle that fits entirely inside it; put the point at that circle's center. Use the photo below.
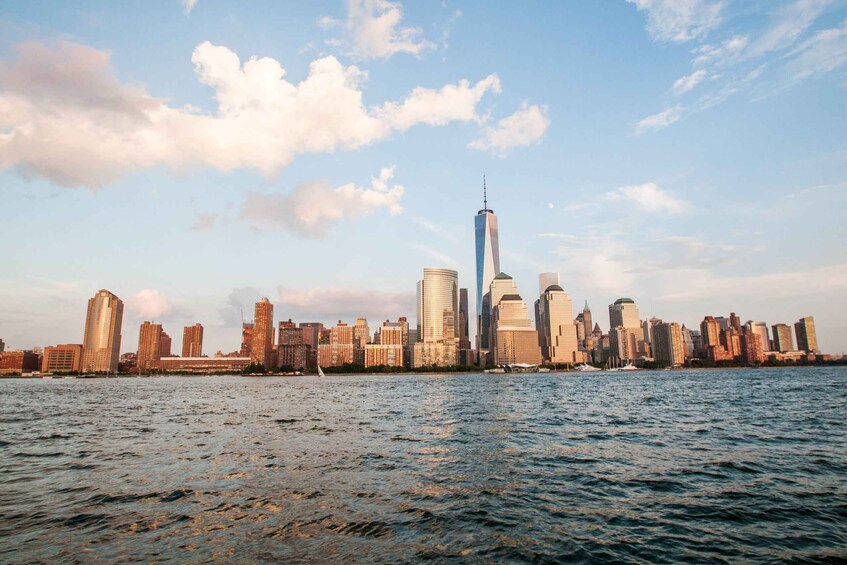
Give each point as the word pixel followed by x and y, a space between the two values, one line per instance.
pixel 191 158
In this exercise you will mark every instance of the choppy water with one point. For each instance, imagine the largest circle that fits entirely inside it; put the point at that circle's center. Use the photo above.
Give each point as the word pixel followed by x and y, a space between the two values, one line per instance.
pixel 646 467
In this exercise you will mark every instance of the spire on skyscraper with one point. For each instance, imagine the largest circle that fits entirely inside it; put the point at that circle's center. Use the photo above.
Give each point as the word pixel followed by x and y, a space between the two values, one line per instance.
pixel 586 309
pixel 484 194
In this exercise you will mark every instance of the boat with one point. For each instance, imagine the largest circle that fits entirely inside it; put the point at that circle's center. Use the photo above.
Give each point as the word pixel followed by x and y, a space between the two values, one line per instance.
pixel 586 368
pixel 496 371
pixel 320 372
pixel 630 367
pixel 521 368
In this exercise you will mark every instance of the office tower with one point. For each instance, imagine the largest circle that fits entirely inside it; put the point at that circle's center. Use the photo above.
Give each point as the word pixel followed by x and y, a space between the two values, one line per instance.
pixel 192 341
pixel 486 236
pixel 102 341
pixel 336 347
pixel 751 347
pixel 438 311
pixel 312 337
pixel 389 351
pixel 714 341
pixel 361 333
pixel 149 339
pixel 734 321
pixel 782 341
pixel 624 313
pixel 290 334
pixel 710 332
pixel 557 331
pixel 165 345
pixel 687 342
pixel 669 346
pixel 246 339
pixel 292 352
pixel 586 320
pixel 546 280
pixel 61 358
pixel 263 335
pixel 648 326
pixel 761 329
pixel 515 341
pixel 807 339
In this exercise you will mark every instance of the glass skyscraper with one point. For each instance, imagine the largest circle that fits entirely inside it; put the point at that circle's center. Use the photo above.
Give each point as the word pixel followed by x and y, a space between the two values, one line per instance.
pixel 487 267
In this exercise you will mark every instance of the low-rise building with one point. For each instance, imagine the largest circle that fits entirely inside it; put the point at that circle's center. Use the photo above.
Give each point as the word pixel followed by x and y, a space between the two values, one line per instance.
pixel 61 358
pixel 19 362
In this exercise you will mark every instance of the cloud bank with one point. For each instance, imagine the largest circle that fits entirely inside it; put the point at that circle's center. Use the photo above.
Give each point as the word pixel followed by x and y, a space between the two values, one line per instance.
pixel 64 116
pixel 524 127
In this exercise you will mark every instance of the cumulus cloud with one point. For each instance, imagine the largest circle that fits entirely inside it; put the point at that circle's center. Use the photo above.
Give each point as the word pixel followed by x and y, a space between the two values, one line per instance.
pixel 659 121
pixel 64 116
pixel 312 208
pixel 331 304
pixel 372 30
pixel 149 304
pixel 524 127
pixel 679 20
pixel 649 197
pixel 686 83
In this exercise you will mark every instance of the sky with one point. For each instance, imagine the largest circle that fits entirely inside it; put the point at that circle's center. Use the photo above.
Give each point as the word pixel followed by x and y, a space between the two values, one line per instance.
pixel 192 156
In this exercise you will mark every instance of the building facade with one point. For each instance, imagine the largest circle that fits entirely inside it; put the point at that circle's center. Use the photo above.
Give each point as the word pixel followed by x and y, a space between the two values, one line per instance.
pixel 192 341
pixel 782 341
pixel 149 341
pixel 807 339
pixel 263 334
pixel 438 317
pixel 557 332
pixel 101 343
pixel 61 358
pixel 669 347
pixel 487 247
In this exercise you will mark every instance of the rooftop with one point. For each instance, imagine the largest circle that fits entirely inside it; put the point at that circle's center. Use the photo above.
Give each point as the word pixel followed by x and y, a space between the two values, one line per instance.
pixel 624 301
pixel 502 276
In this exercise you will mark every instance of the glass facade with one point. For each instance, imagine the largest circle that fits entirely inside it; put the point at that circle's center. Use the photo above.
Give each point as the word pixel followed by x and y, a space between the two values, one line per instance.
pixel 487 267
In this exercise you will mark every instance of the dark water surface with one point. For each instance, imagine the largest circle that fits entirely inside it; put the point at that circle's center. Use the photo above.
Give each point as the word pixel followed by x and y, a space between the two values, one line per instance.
pixel 646 467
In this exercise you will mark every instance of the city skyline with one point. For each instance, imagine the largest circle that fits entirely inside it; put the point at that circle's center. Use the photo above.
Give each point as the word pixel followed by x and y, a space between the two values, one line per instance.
pixel 696 166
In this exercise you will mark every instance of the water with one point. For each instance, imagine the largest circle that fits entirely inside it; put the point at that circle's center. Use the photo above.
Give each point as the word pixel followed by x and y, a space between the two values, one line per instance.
pixel 644 467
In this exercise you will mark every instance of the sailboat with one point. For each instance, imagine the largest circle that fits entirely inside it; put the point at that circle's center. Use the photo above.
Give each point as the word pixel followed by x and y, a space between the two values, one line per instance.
pixel 320 372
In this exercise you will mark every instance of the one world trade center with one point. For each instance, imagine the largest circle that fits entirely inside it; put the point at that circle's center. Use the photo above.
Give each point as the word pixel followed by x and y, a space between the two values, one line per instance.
pixel 487 267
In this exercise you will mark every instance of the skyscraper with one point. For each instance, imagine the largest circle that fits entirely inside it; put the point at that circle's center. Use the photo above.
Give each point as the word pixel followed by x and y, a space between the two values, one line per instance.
pixel 165 345
pixel 192 341
pixel 557 330
pixel 782 341
pixel 624 313
pixel 625 330
pixel 102 341
pixel 263 335
pixel 515 341
pixel 546 280
pixel 246 339
pixel 438 314
pixel 807 339
pixel 149 343
pixel 761 329
pixel 586 319
pixel 669 347
pixel 487 266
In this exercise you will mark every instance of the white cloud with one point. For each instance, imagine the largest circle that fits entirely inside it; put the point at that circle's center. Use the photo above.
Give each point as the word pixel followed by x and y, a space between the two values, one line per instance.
pixel 331 304
pixel 373 30
pixel 789 22
pixel 679 20
pixel 64 116
pixel 188 5
pixel 721 54
pixel 149 304
pixel 525 126
pixel 822 53
pixel 686 83
pixel 649 197
pixel 659 121
pixel 312 208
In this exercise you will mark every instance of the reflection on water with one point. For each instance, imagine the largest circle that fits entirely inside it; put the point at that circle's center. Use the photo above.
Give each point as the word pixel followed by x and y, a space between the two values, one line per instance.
pixel 735 465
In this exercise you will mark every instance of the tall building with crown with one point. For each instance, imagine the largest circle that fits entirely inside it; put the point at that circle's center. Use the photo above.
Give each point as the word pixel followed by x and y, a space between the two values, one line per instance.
pixel 487 244
pixel 102 341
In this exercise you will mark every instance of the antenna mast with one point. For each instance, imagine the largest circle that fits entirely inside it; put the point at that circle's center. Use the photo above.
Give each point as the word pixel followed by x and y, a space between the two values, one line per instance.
pixel 484 194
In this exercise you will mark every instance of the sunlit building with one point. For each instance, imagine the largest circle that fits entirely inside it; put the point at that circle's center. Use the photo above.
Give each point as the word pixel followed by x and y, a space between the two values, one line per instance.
pixel 669 347
pixel 557 332
pixel 61 358
pixel 263 335
pixel 101 343
pixel 761 329
pixel 487 244
pixel 165 344
pixel 149 340
pixel 782 341
pixel 438 309
pixel 338 349
pixel 807 339
pixel 192 341
pixel 515 340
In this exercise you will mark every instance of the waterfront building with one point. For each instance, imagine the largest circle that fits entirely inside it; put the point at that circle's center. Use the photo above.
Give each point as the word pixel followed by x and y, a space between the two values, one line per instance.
pixel 515 341
pixel 263 334
pixel 289 334
pixel 149 340
pixel 438 308
pixel 61 358
pixel 623 344
pixel 2 346
pixel 807 339
pixel 19 362
pixel 202 365
pixel 295 356
pixel 361 337
pixel 669 347
pixel 546 280
pixel 246 339
pixel 557 331
pixel 383 355
pixel 782 341
pixel 338 347
pixel 165 345
pixel 312 337
pixel 761 329
pixel 751 347
pixel 465 352
pixel 101 343
pixel 192 341
pixel 730 339
pixel 487 244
